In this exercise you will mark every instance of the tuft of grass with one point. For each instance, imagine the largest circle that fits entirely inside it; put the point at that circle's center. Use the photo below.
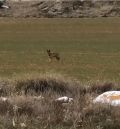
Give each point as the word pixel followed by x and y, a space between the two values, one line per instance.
pixel 45 83
pixel 100 88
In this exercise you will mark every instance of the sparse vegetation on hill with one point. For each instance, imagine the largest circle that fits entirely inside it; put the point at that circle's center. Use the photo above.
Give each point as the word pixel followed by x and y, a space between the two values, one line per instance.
pixel 40 110
pixel 63 8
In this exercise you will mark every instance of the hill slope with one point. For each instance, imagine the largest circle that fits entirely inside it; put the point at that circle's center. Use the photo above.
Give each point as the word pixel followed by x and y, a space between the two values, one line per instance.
pixel 72 8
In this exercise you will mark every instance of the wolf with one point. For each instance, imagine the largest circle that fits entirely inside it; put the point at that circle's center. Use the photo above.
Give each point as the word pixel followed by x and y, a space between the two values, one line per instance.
pixel 53 55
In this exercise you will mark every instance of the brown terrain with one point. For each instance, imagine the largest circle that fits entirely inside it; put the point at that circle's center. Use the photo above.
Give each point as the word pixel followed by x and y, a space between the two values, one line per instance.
pixel 62 9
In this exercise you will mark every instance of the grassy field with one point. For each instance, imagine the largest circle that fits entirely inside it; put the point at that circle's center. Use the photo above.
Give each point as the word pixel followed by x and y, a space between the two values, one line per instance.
pixel 89 48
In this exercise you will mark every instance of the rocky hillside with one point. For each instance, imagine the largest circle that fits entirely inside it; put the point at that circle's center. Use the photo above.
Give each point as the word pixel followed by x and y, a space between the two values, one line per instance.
pixel 62 9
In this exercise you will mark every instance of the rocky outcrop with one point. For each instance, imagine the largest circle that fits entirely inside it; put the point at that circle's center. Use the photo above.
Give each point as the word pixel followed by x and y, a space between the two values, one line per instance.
pixel 62 9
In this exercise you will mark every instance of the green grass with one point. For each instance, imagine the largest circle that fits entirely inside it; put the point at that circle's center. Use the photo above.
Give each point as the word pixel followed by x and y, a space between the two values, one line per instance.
pixel 89 48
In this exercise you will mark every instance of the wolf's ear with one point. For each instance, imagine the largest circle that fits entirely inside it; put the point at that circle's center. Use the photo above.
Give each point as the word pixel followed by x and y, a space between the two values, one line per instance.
pixel 48 50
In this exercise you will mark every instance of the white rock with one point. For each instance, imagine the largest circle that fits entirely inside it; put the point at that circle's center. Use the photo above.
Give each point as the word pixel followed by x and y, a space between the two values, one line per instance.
pixel 5 6
pixel 64 99
pixel 109 97
pixel 4 99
